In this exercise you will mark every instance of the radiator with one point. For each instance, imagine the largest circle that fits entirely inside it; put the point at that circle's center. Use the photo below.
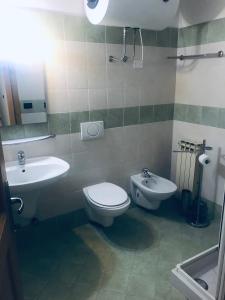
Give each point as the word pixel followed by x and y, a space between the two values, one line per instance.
pixel 187 169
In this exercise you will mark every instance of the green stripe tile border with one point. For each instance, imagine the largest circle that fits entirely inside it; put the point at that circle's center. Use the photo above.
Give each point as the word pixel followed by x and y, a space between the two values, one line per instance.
pixel 65 123
pixel 84 31
pixel 77 28
pixel 203 115
pixel 203 33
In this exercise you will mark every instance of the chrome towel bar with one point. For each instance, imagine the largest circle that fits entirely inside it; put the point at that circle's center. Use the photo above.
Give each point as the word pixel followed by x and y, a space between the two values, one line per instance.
pixel 28 140
pixel 219 54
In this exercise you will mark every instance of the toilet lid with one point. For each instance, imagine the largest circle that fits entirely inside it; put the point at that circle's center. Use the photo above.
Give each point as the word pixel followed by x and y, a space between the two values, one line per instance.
pixel 107 194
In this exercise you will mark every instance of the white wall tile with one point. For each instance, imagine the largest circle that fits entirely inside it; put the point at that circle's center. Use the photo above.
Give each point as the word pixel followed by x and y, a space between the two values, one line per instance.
pixel 76 53
pixel 97 99
pixel 115 97
pixel 132 95
pixel 10 151
pixel 115 70
pixel 97 77
pixel 78 145
pixel 78 100
pixel 201 82
pixel 58 101
pixel 96 54
pixel 62 144
pixel 40 148
pixel 76 65
pixel 56 67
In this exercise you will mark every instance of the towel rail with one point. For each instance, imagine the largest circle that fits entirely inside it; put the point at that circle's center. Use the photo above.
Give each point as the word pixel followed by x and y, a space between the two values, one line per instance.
pixel 28 140
pixel 219 54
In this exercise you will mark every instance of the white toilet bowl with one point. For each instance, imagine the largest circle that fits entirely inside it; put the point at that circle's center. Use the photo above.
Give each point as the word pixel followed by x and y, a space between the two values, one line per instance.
pixel 104 202
pixel 150 192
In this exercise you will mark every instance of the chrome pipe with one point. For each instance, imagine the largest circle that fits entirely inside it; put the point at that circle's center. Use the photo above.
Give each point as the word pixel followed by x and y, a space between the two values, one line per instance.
pixel 18 200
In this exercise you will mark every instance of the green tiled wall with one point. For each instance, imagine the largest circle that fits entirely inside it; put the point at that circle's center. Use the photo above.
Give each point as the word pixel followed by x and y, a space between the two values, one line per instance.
pixel 74 28
pixel 79 29
pixel 204 115
pixel 209 32
pixel 71 28
pixel 203 33
pixel 65 123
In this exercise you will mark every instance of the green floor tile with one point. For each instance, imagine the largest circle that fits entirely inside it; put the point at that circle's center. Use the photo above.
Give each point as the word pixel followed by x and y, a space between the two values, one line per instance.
pixel 130 260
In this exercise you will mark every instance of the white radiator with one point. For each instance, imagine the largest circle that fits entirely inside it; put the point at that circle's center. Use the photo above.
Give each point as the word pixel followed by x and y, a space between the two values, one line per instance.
pixel 187 169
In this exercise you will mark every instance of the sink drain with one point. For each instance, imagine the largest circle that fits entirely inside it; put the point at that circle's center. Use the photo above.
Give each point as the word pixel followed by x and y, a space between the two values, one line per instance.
pixel 202 283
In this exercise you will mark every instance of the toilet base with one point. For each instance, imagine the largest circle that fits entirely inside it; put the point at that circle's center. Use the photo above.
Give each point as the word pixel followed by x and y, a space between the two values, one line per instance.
pixel 95 217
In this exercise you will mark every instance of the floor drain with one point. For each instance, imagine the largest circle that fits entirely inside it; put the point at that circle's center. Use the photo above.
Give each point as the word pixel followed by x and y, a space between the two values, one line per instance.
pixel 202 283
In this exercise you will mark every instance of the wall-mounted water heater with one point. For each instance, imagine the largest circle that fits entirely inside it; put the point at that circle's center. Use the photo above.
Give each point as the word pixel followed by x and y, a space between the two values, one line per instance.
pixel 146 14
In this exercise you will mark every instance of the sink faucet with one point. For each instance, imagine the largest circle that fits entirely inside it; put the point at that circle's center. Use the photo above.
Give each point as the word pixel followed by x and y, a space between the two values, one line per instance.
pixel 21 157
pixel 146 173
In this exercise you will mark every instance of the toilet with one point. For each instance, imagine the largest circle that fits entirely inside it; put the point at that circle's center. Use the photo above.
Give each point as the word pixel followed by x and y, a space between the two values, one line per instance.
pixel 104 202
pixel 150 192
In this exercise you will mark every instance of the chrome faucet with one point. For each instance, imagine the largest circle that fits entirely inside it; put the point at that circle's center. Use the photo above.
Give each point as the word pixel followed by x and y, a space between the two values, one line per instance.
pixel 21 157
pixel 146 173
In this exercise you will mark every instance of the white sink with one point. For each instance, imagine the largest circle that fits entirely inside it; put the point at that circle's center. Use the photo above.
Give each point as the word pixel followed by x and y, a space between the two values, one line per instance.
pixel 36 173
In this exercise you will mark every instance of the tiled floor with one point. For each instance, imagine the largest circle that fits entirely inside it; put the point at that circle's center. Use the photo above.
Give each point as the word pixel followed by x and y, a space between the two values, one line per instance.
pixel 130 260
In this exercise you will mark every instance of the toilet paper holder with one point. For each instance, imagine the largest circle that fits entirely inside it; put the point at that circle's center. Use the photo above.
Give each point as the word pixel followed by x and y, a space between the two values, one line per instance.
pixel 205 148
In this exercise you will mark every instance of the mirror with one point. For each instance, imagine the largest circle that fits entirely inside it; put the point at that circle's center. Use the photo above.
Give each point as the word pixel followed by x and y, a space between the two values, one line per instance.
pixel 23 94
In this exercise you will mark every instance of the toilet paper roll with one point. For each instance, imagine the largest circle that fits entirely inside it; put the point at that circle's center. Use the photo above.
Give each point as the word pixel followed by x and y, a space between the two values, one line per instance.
pixel 146 14
pixel 204 160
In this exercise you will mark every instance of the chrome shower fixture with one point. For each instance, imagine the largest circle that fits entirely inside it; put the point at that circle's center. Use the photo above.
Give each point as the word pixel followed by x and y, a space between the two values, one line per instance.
pixel 125 58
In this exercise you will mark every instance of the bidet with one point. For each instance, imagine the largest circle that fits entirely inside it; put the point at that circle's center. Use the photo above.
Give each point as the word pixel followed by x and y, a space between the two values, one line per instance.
pixel 149 192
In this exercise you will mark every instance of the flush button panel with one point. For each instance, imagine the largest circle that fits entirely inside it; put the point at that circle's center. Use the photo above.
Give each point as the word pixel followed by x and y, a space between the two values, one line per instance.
pixel 92 130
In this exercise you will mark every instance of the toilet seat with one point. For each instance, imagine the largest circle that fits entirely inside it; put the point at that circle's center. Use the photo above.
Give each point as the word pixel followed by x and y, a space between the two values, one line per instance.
pixel 107 195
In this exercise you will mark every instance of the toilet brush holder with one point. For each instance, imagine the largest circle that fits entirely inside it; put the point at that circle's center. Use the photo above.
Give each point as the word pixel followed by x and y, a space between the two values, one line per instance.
pixel 198 215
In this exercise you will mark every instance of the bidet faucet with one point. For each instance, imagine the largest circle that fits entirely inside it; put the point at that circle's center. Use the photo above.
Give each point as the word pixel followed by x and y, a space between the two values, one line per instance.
pixel 146 173
pixel 21 157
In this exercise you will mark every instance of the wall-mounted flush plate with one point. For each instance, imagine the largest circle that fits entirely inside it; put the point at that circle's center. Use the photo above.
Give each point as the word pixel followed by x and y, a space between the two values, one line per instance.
pixel 92 130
